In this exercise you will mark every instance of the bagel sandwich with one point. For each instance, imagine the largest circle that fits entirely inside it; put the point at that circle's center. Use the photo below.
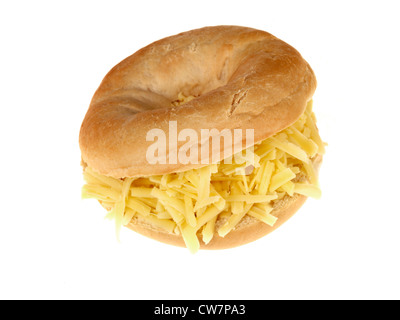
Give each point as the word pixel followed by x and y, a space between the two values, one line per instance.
pixel 149 138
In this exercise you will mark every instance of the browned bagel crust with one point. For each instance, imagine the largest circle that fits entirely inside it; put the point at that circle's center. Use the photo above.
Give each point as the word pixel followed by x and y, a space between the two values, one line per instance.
pixel 248 230
pixel 243 78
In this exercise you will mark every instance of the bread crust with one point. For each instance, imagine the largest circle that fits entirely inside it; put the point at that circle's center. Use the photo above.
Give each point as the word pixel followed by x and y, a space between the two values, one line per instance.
pixel 243 79
pixel 248 229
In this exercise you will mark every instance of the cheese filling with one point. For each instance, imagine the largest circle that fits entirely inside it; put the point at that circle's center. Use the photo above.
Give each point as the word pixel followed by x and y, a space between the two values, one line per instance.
pixel 215 198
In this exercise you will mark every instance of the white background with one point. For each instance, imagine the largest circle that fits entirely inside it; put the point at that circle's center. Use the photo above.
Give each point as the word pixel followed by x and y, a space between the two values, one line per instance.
pixel 53 245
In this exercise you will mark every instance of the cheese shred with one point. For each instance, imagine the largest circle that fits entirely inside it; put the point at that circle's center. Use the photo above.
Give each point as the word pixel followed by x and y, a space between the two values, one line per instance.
pixel 200 203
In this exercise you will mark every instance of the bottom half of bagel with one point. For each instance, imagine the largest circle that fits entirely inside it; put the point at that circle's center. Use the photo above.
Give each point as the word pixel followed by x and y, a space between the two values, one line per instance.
pixel 222 205
pixel 247 230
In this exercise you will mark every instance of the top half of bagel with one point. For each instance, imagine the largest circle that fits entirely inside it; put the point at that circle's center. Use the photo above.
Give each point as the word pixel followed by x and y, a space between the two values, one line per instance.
pixel 239 78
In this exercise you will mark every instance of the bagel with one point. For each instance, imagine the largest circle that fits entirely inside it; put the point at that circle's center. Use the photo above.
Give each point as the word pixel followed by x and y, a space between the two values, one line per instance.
pixel 221 80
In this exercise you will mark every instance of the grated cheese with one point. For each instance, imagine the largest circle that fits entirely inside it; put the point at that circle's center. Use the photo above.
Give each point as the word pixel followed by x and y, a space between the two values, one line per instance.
pixel 190 203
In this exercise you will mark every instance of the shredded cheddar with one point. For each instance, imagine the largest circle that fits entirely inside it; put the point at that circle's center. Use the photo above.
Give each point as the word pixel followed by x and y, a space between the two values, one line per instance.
pixel 190 203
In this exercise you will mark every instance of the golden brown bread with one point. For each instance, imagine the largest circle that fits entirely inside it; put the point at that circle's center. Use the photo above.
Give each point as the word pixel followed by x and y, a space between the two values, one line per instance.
pixel 243 79
pixel 248 230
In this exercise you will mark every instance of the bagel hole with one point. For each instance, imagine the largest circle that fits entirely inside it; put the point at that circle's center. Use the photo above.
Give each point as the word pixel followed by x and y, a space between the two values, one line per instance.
pixel 182 99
